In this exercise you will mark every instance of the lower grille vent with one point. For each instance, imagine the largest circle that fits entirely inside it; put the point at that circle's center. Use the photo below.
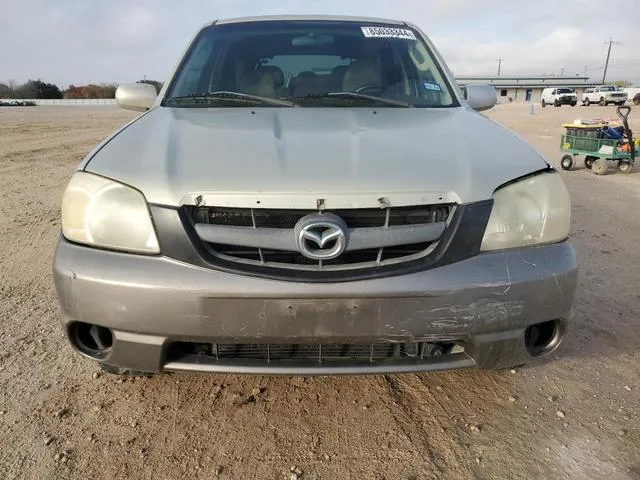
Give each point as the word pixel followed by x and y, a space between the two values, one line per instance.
pixel 312 351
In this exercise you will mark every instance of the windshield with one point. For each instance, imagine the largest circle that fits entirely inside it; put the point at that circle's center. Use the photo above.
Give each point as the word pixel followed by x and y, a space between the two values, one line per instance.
pixel 610 88
pixel 309 64
pixel 565 90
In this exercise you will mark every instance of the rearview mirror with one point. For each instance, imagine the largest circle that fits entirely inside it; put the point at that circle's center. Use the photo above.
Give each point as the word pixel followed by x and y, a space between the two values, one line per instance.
pixel 136 96
pixel 312 40
pixel 480 97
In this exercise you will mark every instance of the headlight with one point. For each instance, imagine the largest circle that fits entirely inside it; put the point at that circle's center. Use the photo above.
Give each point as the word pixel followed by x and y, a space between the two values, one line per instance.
pixel 103 213
pixel 533 211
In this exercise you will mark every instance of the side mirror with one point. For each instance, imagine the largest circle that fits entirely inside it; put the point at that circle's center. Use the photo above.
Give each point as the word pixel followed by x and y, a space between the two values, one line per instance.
pixel 480 97
pixel 136 96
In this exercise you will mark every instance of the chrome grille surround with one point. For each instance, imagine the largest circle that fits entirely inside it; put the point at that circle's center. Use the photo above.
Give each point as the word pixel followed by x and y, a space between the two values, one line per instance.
pixel 266 237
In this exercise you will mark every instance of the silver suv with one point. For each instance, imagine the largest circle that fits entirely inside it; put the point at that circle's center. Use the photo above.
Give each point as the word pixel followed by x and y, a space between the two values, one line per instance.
pixel 313 195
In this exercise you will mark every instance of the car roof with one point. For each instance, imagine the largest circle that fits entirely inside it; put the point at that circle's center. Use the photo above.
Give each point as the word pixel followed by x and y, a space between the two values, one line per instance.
pixel 328 18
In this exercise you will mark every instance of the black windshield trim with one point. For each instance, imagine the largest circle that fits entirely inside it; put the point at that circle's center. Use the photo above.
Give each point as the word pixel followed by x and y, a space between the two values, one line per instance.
pixel 353 97
pixel 252 100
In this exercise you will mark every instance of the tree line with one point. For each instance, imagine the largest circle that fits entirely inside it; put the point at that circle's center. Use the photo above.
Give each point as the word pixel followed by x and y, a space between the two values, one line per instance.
pixel 37 89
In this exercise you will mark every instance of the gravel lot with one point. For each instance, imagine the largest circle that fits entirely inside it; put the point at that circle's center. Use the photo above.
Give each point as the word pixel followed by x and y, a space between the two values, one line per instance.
pixel 576 415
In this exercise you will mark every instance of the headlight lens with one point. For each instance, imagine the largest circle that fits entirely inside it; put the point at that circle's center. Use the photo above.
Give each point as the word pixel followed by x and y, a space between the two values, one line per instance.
pixel 533 211
pixel 103 213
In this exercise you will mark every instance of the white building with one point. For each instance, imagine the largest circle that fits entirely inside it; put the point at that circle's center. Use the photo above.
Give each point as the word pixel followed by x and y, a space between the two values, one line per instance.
pixel 527 88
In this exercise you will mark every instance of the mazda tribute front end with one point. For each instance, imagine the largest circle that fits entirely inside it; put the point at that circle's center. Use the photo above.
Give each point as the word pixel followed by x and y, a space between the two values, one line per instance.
pixel 313 195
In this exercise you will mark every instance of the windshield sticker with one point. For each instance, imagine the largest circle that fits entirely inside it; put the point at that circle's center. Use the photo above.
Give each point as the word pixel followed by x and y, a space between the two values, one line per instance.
pixel 432 86
pixel 387 32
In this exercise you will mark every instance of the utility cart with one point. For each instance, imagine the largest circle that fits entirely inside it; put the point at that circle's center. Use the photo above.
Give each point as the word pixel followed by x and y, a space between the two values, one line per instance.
pixel 600 143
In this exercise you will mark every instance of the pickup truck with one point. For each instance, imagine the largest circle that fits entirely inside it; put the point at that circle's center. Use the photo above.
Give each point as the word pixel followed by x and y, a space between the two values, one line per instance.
pixel 604 95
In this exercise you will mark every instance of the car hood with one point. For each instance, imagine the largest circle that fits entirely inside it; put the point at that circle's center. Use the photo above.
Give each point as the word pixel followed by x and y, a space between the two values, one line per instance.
pixel 292 157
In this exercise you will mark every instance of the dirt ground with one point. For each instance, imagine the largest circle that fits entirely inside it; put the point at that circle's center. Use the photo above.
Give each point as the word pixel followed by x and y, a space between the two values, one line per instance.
pixel 575 416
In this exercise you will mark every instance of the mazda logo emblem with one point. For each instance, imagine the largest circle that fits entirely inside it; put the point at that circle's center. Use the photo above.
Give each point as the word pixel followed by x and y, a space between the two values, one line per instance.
pixel 321 236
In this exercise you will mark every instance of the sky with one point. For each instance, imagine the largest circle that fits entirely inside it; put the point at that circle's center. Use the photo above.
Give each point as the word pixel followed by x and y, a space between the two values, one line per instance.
pixel 118 41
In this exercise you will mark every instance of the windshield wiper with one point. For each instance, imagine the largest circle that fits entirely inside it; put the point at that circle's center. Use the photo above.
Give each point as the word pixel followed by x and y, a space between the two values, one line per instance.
pixel 354 96
pixel 228 97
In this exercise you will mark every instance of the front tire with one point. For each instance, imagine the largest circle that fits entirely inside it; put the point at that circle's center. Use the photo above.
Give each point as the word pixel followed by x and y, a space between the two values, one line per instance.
pixel 556 103
pixel 624 167
pixel 566 162
pixel 574 104
pixel 600 166
pixel 603 102
pixel 587 102
pixel 588 161
pixel 544 104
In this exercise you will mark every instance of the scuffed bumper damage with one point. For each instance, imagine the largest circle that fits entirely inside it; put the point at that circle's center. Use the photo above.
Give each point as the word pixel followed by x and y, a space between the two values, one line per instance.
pixel 482 305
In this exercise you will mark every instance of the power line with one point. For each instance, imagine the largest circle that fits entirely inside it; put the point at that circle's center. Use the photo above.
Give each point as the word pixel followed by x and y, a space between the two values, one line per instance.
pixel 625 66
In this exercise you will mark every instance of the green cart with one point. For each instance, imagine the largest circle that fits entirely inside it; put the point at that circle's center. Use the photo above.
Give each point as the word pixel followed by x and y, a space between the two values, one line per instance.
pixel 592 142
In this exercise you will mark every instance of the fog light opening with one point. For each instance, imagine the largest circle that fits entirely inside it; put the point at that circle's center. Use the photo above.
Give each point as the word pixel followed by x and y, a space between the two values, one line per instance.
pixel 543 338
pixel 92 340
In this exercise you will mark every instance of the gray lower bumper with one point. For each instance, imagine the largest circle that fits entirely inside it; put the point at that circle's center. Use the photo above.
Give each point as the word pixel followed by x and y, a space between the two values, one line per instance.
pixel 485 303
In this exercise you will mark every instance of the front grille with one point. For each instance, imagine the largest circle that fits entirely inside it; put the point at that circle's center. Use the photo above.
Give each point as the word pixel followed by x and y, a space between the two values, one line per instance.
pixel 314 352
pixel 295 258
pixel 284 220
pixel 355 218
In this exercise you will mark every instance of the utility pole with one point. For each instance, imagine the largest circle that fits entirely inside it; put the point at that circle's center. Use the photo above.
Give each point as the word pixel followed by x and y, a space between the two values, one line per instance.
pixel 562 72
pixel 606 65
pixel 586 68
pixel 499 65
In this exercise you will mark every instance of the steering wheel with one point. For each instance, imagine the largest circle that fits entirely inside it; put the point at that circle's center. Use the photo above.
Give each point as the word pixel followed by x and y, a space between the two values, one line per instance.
pixel 370 87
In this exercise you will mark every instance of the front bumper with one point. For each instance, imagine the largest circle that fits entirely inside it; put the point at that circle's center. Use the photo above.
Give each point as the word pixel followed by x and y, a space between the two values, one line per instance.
pixel 483 303
pixel 567 100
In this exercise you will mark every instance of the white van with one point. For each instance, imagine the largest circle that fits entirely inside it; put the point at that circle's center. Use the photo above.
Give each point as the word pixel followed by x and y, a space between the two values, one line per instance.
pixel 559 96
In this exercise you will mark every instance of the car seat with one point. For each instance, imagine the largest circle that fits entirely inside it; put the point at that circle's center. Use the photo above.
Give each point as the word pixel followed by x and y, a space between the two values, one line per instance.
pixel 257 83
pixel 278 78
pixel 305 83
pixel 336 78
pixel 361 73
